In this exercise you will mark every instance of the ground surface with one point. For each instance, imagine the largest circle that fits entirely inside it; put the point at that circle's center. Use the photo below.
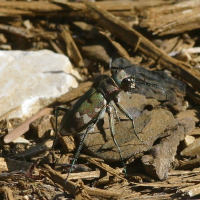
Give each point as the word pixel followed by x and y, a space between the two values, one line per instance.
pixel 163 38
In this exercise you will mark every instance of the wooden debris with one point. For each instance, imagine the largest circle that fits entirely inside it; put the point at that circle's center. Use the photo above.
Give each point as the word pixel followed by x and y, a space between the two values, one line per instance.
pixel 7 193
pixel 75 93
pixel 120 50
pixel 67 143
pixel 74 188
pixel 71 47
pixel 83 175
pixel 142 44
pixel 91 34
pixel 35 150
pixel 191 191
pixel 190 164
pixel 172 19
pixel 106 168
pixel 15 165
pixel 24 127
pixel 3 165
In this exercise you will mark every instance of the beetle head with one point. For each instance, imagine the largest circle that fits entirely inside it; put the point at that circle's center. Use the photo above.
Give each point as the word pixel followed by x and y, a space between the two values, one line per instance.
pixel 128 84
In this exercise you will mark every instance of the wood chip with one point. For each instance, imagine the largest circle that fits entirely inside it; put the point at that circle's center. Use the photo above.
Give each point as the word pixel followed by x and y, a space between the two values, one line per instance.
pixel 24 127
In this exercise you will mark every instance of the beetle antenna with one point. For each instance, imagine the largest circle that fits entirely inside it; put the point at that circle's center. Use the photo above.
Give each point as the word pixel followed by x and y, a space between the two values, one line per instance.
pixel 154 85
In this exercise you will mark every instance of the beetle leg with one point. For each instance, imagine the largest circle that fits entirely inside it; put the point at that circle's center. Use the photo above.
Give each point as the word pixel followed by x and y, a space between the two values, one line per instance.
pixel 78 151
pixel 130 117
pixel 90 126
pixel 115 110
pixel 112 130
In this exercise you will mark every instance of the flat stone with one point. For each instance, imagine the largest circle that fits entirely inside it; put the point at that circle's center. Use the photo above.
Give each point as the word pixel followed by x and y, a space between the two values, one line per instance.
pixel 32 80
pixel 21 140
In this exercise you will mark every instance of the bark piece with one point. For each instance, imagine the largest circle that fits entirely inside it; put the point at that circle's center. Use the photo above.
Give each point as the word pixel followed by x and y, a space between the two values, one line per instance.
pixel 37 149
pixel 96 52
pixel 24 127
pixel 7 193
pixel 67 143
pixel 42 125
pixel 158 163
pixel 172 19
pixel 191 191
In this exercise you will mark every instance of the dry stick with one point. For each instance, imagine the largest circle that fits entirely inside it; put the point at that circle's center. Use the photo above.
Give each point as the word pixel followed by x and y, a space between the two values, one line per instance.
pixel 106 168
pixel 73 187
pixel 190 164
pixel 142 44
pixel 55 46
pixel 120 49
pixel 83 175
pixel 72 50
pixel 191 190
pixel 42 8
pixel 114 5
pixel 7 192
pixel 24 127
pixel 75 93
pixel 22 32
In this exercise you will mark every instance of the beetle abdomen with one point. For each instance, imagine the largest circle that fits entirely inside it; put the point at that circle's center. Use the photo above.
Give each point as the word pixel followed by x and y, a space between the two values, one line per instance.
pixel 82 113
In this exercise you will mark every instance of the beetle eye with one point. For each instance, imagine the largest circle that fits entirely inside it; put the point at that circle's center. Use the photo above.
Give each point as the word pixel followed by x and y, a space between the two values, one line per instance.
pixel 127 84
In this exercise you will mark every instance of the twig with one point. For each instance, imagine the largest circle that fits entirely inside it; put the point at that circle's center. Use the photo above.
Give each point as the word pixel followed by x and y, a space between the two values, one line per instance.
pixel 24 127
pixel 75 93
pixel 191 190
pixel 72 50
pixel 73 188
pixel 83 175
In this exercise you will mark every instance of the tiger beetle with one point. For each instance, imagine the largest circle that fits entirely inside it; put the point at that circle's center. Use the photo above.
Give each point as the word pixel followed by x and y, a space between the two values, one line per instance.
pixel 91 107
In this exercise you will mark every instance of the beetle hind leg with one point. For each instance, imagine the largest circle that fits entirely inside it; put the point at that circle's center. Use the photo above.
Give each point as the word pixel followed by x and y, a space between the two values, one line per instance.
pixel 90 126
pixel 112 130
pixel 78 150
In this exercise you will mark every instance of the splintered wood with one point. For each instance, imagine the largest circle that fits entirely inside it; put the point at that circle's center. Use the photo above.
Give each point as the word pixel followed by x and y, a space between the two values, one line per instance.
pixel 172 19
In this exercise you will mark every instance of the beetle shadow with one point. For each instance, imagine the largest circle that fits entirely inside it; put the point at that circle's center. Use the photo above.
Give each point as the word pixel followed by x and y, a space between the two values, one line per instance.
pixel 99 126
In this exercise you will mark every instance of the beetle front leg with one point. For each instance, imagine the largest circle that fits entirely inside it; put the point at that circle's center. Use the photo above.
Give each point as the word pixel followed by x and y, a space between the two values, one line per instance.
pixel 130 117
pixel 112 130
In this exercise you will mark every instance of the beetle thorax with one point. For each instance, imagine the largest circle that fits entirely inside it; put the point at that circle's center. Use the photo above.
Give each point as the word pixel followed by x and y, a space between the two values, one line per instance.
pixel 109 88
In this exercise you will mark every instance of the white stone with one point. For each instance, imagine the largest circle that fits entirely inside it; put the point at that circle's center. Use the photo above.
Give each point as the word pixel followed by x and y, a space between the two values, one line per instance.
pixel 21 140
pixel 188 140
pixel 32 80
